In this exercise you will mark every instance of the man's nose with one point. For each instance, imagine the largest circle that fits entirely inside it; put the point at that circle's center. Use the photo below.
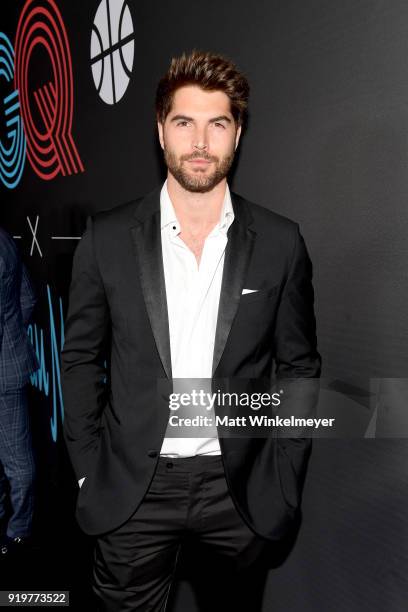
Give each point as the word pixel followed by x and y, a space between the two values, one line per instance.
pixel 200 140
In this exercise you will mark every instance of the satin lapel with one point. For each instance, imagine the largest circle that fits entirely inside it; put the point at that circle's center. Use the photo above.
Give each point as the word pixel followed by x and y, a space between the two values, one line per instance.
pixel 238 253
pixel 146 237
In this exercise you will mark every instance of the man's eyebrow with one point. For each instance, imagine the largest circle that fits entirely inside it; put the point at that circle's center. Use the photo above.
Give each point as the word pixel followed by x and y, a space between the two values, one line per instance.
pixel 214 120
pixel 221 118
pixel 181 118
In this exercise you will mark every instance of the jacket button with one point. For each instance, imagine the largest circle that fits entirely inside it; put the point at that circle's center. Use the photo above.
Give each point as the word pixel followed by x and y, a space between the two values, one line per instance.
pixel 152 453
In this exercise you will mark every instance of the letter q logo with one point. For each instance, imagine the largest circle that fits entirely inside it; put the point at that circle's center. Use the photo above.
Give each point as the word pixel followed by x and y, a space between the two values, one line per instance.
pixel 44 115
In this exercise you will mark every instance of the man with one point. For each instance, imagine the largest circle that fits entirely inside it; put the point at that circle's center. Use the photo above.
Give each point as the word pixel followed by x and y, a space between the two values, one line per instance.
pixel 188 282
pixel 17 362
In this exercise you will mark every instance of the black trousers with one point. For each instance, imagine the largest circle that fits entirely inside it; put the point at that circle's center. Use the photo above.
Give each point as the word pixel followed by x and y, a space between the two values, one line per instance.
pixel 134 565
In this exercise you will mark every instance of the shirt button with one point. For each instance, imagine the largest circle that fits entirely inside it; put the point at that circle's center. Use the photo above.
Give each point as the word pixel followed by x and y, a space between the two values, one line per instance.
pixel 169 464
pixel 152 453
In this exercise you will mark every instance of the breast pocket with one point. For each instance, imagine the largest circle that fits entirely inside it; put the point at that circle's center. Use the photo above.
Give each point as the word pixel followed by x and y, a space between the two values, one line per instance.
pixel 263 294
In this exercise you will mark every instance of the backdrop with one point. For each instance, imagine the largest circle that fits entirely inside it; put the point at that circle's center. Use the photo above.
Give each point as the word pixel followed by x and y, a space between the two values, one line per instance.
pixel 327 145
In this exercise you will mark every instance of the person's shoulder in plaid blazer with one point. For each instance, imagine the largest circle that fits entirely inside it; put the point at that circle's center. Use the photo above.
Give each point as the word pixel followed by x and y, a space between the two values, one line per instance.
pixel 17 300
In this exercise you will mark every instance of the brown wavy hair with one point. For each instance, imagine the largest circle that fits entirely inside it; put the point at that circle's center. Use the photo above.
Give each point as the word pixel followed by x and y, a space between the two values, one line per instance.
pixel 209 71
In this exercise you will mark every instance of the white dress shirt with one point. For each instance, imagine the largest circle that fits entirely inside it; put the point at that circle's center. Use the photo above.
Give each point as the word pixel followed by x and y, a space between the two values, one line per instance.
pixel 193 294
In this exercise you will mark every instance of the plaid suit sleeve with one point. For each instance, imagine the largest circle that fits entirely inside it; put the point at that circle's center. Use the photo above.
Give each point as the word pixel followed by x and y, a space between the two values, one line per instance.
pixel 27 296
pixel 2 298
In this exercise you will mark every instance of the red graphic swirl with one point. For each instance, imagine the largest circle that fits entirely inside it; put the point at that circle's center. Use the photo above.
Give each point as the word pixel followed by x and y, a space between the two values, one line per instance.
pixel 50 146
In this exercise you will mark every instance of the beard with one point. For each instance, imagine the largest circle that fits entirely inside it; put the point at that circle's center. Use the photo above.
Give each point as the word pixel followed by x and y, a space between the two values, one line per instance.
pixel 197 181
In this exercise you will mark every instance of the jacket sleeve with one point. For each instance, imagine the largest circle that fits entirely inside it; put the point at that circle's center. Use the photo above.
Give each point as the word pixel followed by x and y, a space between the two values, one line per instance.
pixel 298 363
pixel 296 353
pixel 83 356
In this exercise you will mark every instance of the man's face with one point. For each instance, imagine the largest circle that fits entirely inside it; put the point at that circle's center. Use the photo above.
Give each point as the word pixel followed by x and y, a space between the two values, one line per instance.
pixel 199 138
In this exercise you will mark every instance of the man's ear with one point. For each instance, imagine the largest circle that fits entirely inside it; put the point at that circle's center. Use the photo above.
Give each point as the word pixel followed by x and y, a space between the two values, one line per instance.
pixel 160 130
pixel 237 136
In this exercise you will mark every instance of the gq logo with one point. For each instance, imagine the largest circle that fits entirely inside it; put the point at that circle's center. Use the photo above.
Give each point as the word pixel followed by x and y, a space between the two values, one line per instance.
pixel 38 122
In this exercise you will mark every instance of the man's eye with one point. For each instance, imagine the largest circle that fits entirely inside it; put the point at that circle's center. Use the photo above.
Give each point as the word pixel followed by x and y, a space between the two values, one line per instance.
pixel 182 123
pixel 219 125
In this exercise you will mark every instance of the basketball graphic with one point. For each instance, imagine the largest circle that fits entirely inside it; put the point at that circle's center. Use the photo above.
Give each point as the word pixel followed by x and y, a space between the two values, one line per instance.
pixel 112 49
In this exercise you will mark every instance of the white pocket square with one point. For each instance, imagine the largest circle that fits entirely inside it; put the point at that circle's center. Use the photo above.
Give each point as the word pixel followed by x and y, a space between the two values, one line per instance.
pixel 81 481
pixel 245 291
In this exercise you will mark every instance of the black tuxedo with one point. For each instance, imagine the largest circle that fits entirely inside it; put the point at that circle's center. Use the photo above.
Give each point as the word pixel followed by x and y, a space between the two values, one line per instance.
pixel 117 311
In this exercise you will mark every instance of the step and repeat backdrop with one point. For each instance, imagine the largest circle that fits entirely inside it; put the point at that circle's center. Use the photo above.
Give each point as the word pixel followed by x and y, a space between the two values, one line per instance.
pixel 326 145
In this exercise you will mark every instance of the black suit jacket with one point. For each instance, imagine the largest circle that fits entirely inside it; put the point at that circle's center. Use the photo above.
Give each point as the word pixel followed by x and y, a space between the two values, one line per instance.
pixel 117 311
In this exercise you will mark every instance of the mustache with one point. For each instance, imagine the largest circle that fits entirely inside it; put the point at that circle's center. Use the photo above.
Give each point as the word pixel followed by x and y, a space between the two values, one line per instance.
pixel 199 155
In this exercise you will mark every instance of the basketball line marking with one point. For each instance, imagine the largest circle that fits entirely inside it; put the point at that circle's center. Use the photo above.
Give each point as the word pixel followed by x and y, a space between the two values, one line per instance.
pixel 114 47
pixel 111 54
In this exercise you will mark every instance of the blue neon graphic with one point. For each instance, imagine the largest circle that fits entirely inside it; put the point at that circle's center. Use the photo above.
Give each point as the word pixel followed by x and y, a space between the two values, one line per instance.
pixel 41 378
pixel 12 154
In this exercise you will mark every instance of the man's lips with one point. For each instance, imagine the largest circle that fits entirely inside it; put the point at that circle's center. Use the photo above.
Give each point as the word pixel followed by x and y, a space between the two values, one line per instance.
pixel 199 161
